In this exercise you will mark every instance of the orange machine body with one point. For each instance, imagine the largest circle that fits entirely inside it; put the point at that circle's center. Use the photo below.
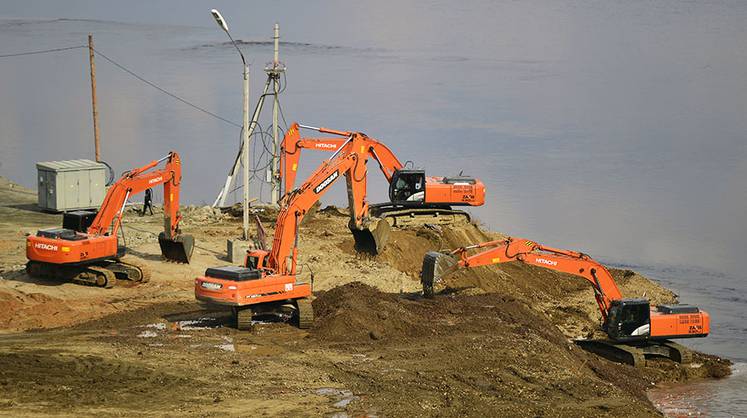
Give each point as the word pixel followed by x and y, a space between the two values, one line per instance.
pixel 442 190
pixel 100 240
pixel 275 271
pixel 457 191
pixel 271 288
pixel 620 317
pixel 85 248
pixel 683 325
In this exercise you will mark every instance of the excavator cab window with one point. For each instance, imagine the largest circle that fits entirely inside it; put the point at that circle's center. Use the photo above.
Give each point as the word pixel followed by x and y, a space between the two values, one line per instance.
pixel 255 259
pixel 407 186
pixel 629 319
pixel 252 262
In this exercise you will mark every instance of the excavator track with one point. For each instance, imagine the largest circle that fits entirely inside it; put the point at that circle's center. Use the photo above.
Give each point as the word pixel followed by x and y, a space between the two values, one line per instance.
pixel 636 355
pixel 129 271
pixel 97 276
pixel 85 275
pixel 403 216
pixel 104 275
pixel 304 313
pixel 619 353
pixel 243 318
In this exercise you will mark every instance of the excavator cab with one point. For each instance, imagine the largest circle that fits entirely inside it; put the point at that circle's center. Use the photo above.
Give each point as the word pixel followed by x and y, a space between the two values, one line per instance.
pixel 407 186
pixel 256 259
pixel 629 320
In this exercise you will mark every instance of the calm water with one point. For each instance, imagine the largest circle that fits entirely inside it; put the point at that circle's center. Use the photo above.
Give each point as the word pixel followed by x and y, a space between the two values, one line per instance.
pixel 617 128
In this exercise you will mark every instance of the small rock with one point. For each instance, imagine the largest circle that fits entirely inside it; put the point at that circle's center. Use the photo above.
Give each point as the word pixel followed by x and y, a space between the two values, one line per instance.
pixel 375 335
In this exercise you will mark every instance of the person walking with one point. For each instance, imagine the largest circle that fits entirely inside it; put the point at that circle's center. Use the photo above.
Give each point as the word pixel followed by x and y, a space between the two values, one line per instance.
pixel 148 202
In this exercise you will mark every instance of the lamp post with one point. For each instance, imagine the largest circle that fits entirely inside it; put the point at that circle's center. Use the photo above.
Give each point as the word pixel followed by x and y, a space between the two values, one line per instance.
pixel 245 130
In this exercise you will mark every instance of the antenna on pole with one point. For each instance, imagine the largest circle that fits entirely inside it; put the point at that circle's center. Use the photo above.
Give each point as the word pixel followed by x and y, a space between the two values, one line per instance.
pixel 274 70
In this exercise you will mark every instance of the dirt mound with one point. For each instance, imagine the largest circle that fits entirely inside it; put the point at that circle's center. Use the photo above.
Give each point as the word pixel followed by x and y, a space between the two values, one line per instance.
pixel 504 350
pixel 86 381
pixel 357 312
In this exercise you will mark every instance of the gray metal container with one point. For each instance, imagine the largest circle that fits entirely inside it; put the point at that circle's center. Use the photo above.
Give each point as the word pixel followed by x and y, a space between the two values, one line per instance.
pixel 71 185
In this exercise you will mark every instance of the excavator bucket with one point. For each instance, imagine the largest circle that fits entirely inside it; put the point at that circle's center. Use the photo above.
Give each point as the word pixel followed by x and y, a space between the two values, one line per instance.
pixel 178 249
pixel 373 238
pixel 435 266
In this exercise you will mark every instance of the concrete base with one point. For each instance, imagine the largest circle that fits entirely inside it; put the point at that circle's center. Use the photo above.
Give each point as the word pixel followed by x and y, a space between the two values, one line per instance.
pixel 237 249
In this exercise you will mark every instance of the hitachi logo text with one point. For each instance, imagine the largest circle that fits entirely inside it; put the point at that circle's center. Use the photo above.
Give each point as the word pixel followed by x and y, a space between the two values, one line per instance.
pixel 326 182
pixel 155 180
pixel 43 246
pixel 546 261
pixel 323 145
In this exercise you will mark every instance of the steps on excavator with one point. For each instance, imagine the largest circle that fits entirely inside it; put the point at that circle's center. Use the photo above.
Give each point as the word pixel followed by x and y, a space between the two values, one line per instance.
pixel 636 355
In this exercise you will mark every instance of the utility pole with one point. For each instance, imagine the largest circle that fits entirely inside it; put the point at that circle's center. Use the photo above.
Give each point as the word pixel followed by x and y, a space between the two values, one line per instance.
pixel 93 98
pixel 273 71
pixel 245 128
pixel 245 151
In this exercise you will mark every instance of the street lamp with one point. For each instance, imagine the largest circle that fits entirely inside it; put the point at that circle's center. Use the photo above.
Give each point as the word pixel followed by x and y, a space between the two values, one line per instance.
pixel 245 130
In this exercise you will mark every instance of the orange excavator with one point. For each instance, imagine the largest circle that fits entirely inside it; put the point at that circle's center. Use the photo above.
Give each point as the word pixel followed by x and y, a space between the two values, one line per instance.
pixel 414 197
pixel 268 280
pixel 635 329
pixel 86 249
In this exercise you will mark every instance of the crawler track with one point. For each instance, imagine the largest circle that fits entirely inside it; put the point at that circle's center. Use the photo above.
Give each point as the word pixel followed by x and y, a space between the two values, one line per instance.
pixel 402 215
pixel 102 274
pixel 636 355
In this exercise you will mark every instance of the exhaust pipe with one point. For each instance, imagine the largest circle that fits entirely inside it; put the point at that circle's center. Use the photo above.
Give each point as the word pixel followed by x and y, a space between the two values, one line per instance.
pixel 435 266
pixel 178 249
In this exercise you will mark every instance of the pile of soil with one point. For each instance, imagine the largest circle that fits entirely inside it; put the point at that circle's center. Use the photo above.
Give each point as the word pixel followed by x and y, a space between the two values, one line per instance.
pixel 356 312
pixel 503 350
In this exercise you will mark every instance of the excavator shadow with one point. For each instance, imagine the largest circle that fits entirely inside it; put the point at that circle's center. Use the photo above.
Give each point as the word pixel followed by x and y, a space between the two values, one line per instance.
pixel 22 277
pixel 201 318
pixel 29 207
pixel 211 317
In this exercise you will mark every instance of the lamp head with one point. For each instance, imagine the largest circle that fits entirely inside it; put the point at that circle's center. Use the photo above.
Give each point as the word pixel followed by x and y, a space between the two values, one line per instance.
pixel 219 19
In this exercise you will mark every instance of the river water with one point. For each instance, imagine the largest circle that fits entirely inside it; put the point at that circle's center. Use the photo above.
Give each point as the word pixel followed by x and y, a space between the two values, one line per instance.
pixel 616 128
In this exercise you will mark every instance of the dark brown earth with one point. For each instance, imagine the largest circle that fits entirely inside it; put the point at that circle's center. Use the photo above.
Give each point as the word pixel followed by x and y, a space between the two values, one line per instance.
pixel 496 342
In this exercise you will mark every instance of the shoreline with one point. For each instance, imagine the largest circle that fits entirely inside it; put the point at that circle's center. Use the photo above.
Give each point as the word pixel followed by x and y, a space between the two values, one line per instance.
pixel 371 338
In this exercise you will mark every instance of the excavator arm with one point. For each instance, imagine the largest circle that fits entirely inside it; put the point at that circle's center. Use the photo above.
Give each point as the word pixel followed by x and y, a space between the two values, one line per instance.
pixel 296 204
pixel 174 246
pixel 137 181
pixel 293 143
pixel 528 252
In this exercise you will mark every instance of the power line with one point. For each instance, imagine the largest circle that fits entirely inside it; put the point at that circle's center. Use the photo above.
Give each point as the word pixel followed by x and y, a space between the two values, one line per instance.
pixel 164 91
pixel 128 71
pixel 44 51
